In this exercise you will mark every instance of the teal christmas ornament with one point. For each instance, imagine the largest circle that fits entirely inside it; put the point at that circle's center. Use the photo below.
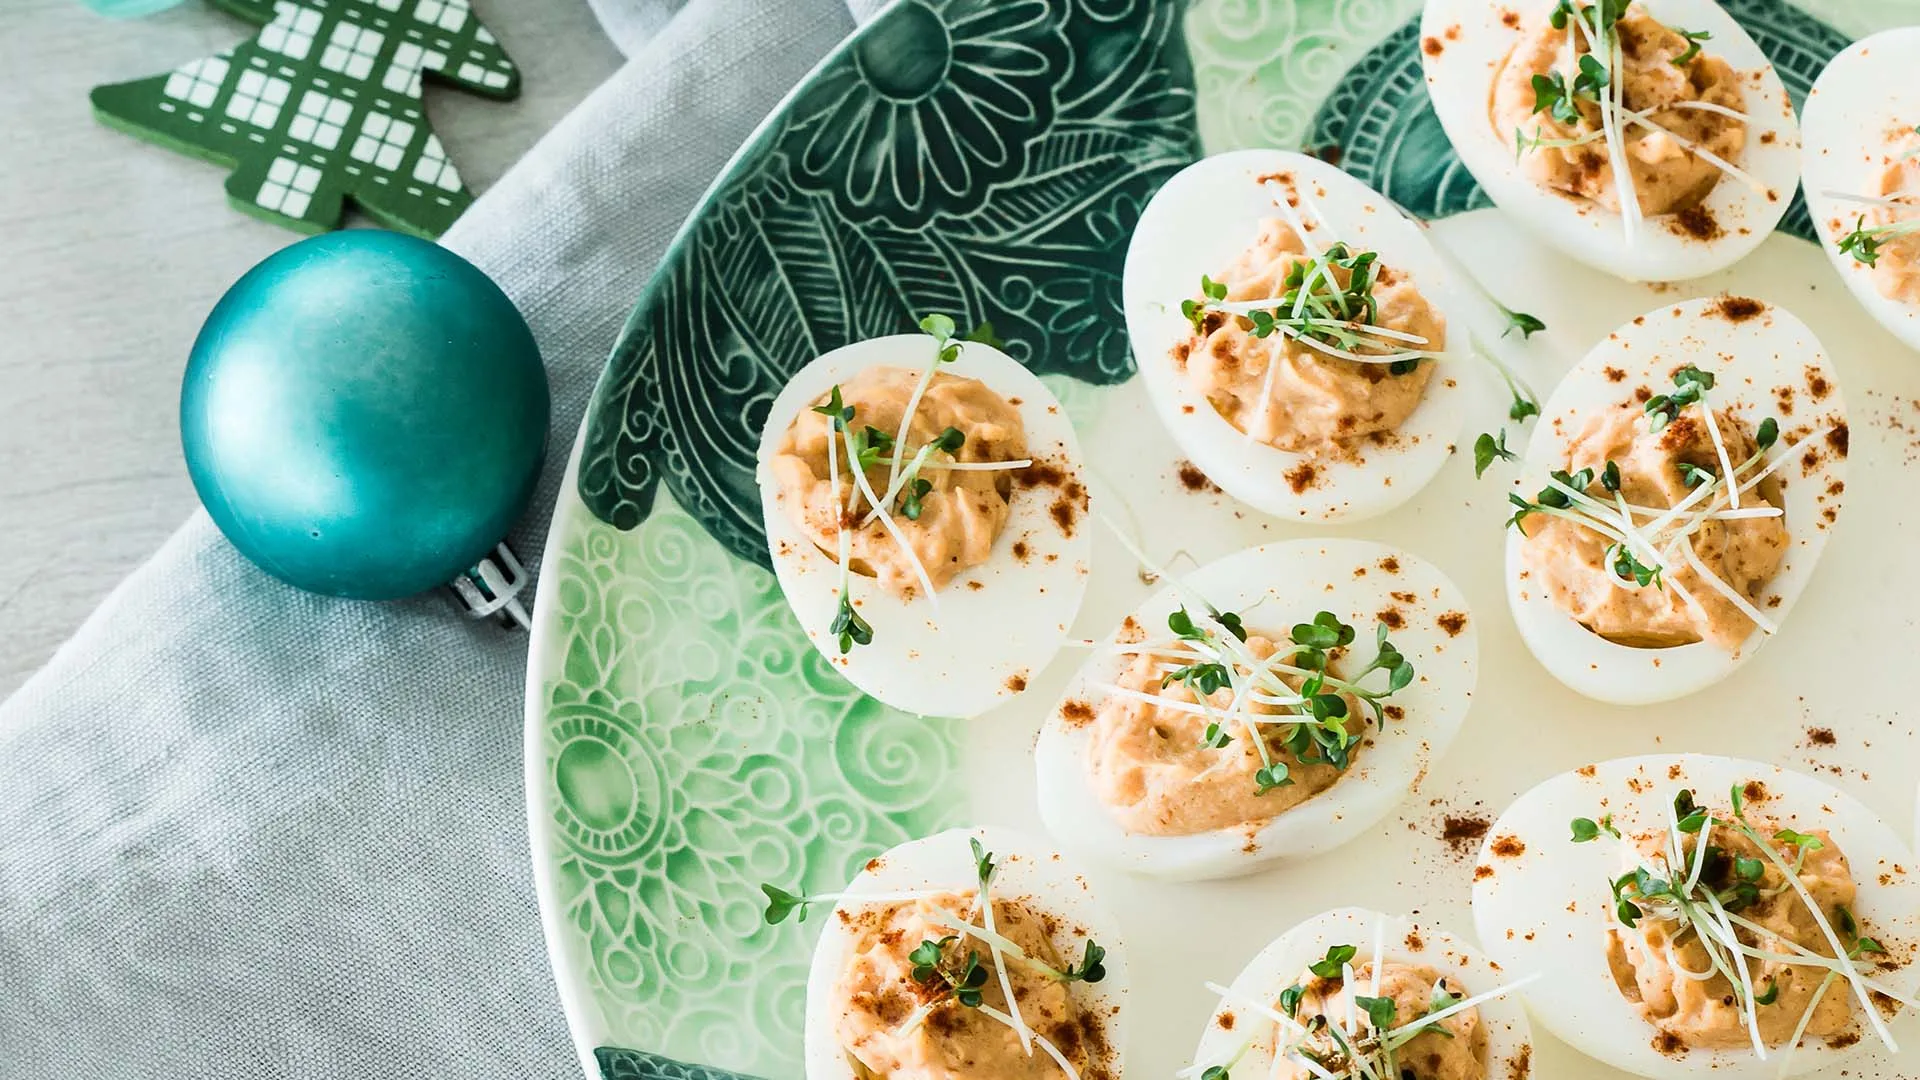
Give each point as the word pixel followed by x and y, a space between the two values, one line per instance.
pixel 129 9
pixel 364 415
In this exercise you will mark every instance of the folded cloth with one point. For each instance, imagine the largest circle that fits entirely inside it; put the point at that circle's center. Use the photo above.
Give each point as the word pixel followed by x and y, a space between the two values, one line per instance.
pixel 247 832
pixel 631 24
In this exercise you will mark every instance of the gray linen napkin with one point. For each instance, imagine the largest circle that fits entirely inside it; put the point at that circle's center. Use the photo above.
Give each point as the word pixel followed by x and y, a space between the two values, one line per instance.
pixel 247 832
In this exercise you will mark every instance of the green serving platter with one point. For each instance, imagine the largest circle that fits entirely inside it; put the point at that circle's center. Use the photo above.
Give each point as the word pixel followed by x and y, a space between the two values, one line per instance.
pixel 988 159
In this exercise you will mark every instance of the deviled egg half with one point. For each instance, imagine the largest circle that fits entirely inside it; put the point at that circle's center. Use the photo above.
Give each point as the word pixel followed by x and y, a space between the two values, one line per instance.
pixel 1651 140
pixel 1702 915
pixel 1300 339
pixel 1675 499
pixel 1352 994
pixel 1862 174
pixel 974 954
pixel 1273 704
pixel 946 568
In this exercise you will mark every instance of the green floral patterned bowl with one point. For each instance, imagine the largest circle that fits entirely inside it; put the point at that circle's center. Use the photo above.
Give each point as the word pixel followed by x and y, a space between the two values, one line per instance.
pixel 987 159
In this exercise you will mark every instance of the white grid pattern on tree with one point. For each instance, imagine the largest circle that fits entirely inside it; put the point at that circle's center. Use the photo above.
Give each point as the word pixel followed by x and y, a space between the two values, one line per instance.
pixel 289 188
pixel 291 32
pixel 333 86
pixel 198 83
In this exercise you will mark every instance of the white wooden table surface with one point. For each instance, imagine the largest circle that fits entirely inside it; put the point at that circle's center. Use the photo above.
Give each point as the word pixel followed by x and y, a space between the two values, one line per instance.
pixel 111 253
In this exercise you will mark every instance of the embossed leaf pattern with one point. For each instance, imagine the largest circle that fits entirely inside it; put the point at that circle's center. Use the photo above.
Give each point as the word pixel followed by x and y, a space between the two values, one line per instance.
pixel 618 1064
pixel 984 158
pixel 695 745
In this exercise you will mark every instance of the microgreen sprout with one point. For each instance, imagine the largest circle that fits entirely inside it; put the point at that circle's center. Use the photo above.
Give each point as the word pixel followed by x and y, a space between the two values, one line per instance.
pixel 1620 563
pixel 1694 475
pixel 1488 447
pixel 1521 405
pixel 983 335
pixel 1693 39
pixel 1586 829
pixel 1555 97
pixel 1092 967
pixel 962 980
pixel 910 505
pixel 848 628
pixel 1290 999
pixel 1195 311
pixel 941 329
pixel 1697 889
pixel 983 866
pixel 835 409
pixel 1272 775
pixel 870 443
pixel 1598 17
pixel 781 903
pixel 1330 965
pixel 1528 325
pixel 1690 386
pixel 1864 242
pixel 1380 1010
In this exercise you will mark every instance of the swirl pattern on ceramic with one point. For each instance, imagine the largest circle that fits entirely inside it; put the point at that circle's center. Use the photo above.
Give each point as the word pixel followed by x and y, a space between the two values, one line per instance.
pixel 982 158
pixel 694 746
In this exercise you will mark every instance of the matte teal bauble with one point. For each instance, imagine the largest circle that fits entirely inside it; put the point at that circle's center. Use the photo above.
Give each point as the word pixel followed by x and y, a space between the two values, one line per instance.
pixel 364 414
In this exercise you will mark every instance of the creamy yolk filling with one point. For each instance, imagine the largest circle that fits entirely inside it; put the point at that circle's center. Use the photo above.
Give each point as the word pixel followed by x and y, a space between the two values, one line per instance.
pixel 1569 560
pixel 1155 771
pixel 963 511
pixel 1684 107
pixel 1663 967
pixel 894 1026
pixel 1289 394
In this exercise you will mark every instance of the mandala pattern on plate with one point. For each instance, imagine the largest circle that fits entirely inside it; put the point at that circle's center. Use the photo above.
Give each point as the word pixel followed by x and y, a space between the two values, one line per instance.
pixel 694 746
pixel 983 158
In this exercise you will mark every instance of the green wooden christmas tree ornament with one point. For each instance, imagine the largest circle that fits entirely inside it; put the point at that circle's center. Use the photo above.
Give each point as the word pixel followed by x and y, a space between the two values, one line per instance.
pixel 322 106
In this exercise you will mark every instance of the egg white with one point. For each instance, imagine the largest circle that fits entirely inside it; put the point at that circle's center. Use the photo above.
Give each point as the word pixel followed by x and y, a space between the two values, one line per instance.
pixel 1028 871
pixel 1547 908
pixel 1749 359
pixel 1273 587
pixel 1198 223
pixel 1468 40
pixel 1279 965
pixel 983 643
pixel 1861 96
